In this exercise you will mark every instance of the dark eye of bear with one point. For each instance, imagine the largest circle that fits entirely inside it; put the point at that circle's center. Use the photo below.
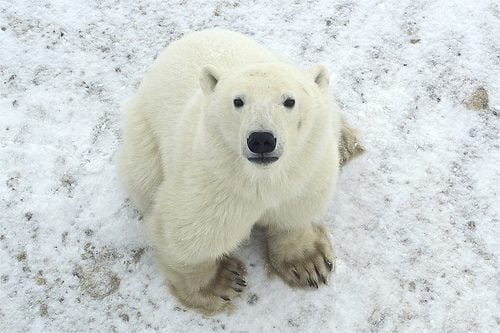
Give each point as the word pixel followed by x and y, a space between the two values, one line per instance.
pixel 238 102
pixel 289 103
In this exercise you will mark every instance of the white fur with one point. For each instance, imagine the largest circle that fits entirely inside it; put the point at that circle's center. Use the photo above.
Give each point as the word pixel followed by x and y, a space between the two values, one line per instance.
pixel 183 157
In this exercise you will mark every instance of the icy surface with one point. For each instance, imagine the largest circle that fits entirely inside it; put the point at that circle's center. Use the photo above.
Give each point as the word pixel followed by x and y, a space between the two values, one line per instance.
pixel 415 221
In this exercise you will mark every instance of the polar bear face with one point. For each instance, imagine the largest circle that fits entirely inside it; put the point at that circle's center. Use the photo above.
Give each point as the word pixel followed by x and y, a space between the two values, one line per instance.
pixel 267 113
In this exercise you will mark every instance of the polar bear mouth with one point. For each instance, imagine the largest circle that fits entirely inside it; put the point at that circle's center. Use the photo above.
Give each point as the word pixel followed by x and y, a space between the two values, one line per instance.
pixel 263 159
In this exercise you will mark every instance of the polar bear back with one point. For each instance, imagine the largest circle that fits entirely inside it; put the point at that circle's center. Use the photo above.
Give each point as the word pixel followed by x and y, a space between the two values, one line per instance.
pixel 178 67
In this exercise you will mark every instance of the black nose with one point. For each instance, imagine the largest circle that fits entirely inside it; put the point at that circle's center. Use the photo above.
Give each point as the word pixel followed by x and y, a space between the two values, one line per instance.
pixel 261 142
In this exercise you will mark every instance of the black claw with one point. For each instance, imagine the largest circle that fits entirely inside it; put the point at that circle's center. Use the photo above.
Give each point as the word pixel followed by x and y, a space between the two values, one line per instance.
pixel 235 273
pixel 312 283
pixel 322 278
pixel 241 282
pixel 237 290
pixel 329 264
pixel 296 274
pixel 225 298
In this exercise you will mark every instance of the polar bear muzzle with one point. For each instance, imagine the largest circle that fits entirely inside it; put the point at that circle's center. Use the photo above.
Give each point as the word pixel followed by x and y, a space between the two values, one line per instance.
pixel 262 145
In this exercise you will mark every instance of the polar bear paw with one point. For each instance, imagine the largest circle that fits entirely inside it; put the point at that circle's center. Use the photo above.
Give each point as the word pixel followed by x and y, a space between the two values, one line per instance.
pixel 306 263
pixel 227 283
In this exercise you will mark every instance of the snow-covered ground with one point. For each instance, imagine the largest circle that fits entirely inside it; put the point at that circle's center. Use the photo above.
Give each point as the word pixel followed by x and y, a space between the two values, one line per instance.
pixel 416 220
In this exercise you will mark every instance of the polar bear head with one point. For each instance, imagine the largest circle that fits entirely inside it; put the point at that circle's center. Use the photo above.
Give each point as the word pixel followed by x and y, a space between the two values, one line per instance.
pixel 268 114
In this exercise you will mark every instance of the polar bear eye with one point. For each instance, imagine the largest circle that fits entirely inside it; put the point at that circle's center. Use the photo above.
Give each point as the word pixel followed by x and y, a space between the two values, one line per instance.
pixel 289 103
pixel 238 102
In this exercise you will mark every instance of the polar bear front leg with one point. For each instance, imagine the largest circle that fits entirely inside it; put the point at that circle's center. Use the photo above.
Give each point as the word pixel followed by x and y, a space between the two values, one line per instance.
pixel 302 257
pixel 195 254
pixel 209 287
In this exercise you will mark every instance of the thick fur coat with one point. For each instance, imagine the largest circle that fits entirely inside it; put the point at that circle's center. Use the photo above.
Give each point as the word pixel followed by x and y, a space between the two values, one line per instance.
pixel 186 164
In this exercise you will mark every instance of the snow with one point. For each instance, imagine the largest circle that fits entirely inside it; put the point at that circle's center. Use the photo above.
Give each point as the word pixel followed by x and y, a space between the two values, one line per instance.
pixel 415 221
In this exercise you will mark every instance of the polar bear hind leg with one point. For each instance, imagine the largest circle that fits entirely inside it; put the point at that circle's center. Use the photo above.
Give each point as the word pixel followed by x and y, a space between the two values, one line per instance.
pixel 139 161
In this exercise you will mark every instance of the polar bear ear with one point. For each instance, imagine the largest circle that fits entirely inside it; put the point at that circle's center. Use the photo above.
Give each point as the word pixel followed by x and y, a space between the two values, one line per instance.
pixel 209 78
pixel 320 75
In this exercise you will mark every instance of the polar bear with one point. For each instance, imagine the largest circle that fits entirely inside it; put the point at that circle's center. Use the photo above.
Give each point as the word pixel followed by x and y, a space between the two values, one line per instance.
pixel 223 136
